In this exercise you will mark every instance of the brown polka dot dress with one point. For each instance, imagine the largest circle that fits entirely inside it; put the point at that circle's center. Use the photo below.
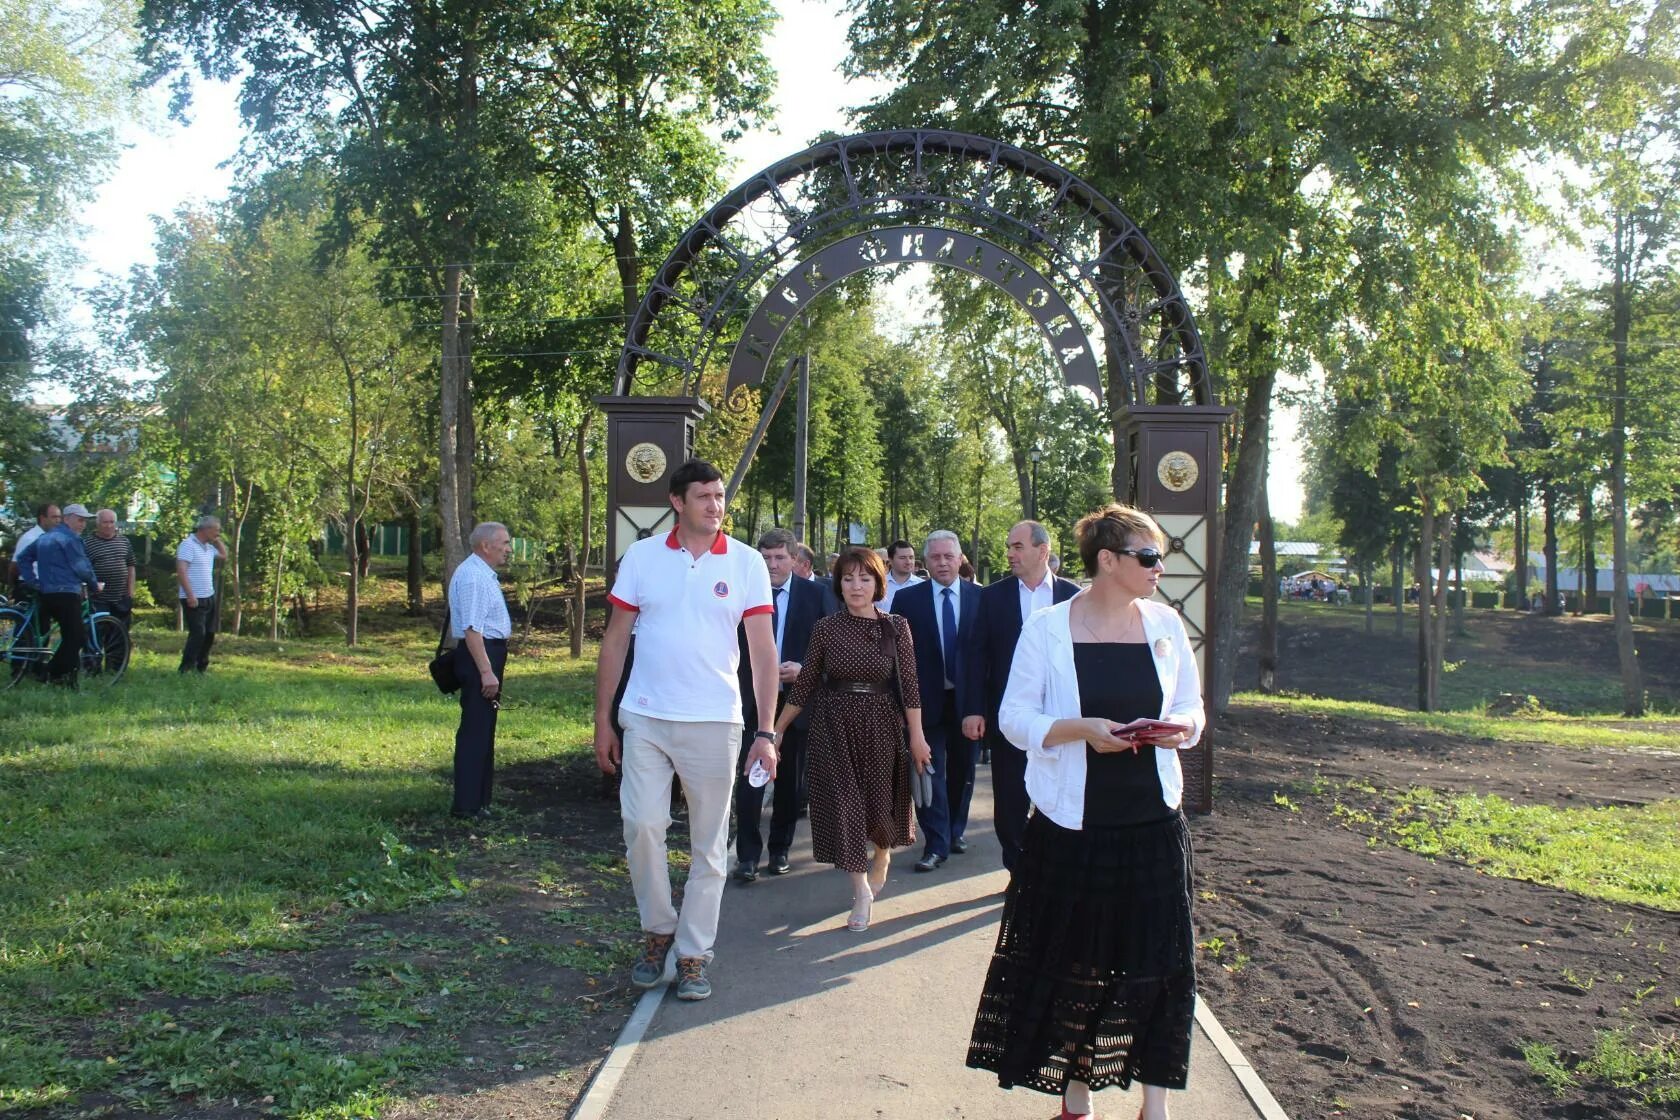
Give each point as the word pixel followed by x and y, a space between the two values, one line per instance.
pixel 859 764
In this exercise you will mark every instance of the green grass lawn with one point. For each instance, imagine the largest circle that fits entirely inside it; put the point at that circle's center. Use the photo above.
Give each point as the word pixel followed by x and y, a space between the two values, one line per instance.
pixel 164 842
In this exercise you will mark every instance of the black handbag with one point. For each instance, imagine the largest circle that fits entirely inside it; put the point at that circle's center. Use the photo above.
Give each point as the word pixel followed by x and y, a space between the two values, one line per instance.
pixel 442 664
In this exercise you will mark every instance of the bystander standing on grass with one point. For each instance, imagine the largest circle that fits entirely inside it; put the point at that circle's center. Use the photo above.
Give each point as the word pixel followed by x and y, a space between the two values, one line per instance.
pixel 112 556
pixel 479 620
pixel 195 570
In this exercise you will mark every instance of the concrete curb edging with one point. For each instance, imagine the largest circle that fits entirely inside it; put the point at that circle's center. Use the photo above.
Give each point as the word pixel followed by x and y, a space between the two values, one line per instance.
pixel 599 1093
pixel 1255 1089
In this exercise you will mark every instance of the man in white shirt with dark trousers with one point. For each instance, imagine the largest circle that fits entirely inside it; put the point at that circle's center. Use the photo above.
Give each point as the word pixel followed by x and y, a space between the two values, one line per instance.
pixel 195 573
pixel 478 618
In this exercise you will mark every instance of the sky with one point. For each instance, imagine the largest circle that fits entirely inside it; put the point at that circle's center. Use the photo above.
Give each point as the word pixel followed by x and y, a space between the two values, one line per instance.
pixel 167 166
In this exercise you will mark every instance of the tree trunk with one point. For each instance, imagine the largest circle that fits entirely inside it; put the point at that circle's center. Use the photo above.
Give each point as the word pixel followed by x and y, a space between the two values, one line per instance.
pixel 274 594
pixel 1257 365
pixel 580 601
pixel 352 592
pixel 454 426
pixel 1366 575
pixel 1521 549
pixel 1268 594
pixel 1458 590
pixel 1588 583
pixel 1621 301
pixel 416 565
pixel 1438 643
pixel 1242 500
pixel 1397 569
pixel 1549 544
pixel 1426 631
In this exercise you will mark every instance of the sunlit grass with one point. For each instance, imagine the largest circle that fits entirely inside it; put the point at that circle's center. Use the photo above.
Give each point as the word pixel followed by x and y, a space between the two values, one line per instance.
pixel 1617 853
pixel 150 830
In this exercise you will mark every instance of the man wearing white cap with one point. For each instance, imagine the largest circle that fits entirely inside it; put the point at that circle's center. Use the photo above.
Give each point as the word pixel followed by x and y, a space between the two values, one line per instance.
pixel 56 565
pixel 195 569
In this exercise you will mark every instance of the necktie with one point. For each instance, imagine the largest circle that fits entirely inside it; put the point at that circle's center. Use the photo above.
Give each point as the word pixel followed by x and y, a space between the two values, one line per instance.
pixel 776 612
pixel 948 636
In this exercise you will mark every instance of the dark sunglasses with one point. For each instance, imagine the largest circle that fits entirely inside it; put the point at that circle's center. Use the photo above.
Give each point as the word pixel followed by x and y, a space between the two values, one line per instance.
pixel 1146 557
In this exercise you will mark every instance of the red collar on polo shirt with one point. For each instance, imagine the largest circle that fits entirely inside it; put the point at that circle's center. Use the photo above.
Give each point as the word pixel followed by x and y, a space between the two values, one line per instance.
pixel 719 544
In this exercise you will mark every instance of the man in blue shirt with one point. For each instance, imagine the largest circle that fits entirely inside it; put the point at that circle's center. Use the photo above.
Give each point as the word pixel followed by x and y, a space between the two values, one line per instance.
pixel 56 565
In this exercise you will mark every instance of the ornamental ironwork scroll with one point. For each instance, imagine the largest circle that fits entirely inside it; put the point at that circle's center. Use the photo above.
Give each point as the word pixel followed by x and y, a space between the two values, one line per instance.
pixel 897 245
pixel 1120 301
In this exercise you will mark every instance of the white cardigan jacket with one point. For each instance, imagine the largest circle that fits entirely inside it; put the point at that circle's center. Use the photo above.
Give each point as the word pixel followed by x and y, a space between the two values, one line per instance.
pixel 1044 687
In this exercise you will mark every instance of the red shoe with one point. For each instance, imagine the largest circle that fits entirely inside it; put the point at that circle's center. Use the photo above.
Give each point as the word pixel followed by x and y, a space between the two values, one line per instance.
pixel 1066 1115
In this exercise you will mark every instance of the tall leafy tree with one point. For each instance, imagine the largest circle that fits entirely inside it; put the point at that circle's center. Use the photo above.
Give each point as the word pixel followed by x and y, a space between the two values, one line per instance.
pixel 458 124
pixel 64 71
pixel 1244 137
pixel 1634 203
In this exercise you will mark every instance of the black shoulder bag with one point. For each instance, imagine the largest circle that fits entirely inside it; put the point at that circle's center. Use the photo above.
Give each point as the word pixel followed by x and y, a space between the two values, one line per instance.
pixel 442 664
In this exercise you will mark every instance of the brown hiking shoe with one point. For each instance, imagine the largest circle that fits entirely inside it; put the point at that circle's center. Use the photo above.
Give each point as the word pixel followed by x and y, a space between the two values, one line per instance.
pixel 653 970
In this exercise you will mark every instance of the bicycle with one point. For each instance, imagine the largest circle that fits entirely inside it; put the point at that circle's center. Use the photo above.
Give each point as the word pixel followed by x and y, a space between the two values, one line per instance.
pixel 26 645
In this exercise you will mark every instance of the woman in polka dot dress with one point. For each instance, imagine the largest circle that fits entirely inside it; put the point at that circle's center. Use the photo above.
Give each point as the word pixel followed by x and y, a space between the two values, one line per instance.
pixel 860 771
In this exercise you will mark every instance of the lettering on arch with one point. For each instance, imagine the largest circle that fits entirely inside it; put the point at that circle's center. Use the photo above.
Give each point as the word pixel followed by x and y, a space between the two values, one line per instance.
pixel 895 245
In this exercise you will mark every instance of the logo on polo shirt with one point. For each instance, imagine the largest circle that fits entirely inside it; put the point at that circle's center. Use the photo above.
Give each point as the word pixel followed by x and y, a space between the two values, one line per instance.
pixel 720 589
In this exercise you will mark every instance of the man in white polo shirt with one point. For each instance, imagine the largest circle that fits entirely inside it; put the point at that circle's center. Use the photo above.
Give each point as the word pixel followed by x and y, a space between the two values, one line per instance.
pixel 195 567
pixel 685 593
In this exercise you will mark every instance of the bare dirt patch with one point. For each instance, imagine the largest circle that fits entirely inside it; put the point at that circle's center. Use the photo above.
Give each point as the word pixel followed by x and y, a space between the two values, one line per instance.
pixel 1367 981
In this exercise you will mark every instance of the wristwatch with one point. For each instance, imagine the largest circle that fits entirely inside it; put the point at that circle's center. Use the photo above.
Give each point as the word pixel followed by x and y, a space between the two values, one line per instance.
pixel 770 735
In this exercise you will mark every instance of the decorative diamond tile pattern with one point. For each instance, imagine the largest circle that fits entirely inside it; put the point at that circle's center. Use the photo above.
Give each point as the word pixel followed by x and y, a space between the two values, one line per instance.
pixel 635 522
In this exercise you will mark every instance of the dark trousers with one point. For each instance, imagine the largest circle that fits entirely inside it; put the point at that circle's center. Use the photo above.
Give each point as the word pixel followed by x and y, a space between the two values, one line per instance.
pixel 120 609
pixel 784 797
pixel 953 781
pixel 475 739
pixel 65 608
pixel 202 622
pixel 1010 804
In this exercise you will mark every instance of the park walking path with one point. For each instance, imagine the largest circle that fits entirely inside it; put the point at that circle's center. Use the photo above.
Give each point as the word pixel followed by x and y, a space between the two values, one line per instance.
pixel 810 1020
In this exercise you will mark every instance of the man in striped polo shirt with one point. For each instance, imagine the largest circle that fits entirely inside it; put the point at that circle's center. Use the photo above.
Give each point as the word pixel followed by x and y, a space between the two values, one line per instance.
pixel 112 555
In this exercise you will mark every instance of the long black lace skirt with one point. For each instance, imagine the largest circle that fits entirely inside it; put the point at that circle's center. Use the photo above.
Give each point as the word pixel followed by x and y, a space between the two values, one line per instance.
pixel 1094 974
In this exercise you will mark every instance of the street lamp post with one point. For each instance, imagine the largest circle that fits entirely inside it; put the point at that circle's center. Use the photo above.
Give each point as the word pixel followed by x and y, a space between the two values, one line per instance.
pixel 1035 455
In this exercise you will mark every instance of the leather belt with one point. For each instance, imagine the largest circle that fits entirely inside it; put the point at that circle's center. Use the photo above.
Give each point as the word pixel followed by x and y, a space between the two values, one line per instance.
pixel 858 686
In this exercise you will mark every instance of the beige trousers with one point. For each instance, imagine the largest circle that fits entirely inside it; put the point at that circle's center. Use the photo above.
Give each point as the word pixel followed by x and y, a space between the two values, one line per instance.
pixel 703 756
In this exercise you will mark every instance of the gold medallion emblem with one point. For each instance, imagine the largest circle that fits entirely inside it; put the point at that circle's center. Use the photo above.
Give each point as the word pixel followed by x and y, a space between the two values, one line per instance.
pixel 645 463
pixel 1177 471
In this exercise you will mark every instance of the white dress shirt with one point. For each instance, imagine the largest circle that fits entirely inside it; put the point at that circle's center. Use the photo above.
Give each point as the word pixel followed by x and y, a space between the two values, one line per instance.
pixel 779 599
pixel 893 588
pixel 1036 598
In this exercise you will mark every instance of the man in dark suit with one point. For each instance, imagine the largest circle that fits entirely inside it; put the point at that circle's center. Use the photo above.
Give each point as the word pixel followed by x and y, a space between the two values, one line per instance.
pixel 798 604
pixel 942 613
pixel 1004 606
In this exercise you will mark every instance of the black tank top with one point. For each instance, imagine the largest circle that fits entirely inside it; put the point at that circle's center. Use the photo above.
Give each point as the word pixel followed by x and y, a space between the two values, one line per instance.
pixel 1117 681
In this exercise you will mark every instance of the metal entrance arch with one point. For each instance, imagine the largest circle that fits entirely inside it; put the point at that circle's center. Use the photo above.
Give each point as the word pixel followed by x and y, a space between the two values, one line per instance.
pixel 1109 306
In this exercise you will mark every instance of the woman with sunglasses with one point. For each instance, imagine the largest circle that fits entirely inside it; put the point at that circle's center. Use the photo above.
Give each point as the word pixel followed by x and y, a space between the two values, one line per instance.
pixel 1093 979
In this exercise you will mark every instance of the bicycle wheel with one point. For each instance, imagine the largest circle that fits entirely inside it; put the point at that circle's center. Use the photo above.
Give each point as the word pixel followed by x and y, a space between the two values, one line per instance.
pixel 15 645
pixel 105 655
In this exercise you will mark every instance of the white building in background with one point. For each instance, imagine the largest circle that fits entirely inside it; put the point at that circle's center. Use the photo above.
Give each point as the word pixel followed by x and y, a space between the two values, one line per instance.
pixel 1569 578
